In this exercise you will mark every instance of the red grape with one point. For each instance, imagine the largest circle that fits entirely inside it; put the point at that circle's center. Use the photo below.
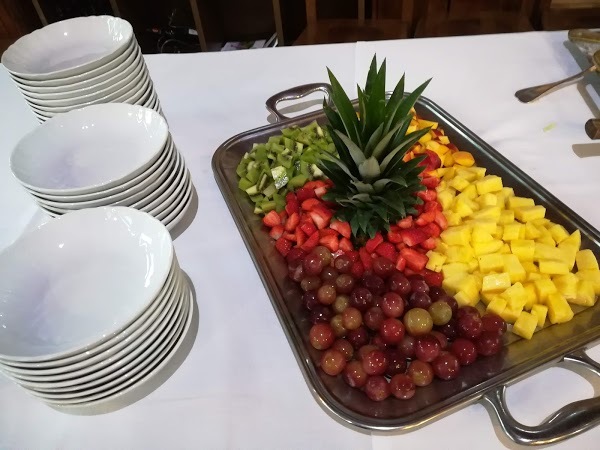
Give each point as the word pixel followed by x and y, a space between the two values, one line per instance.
pixel 361 298
pixel 417 322
pixel 392 305
pixel 440 312
pixel 449 329
pixel 351 318
pixel 391 331
pixel 321 314
pixel 333 362
pixel 324 255
pixel 441 337
pixel 326 294
pixel 418 284
pixel 488 343
pixel 374 284
pixel 344 283
pixel 446 366
pixel 364 350
pixel 396 362
pixel 337 324
pixel 464 310
pixel 435 293
pixel 377 388
pixel 378 341
pixel 464 350
pixel 407 346
pixel 399 284
pixel 341 303
pixel 345 347
pixel 358 337
pixel 494 323
pixel 310 283
pixel 452 303
pixel 310 300
pixel 375 362
pixel 296 273
pixel 427 348
pixel 420 372
pixel 402 386
pixel 354 375
pixel 343 263
pixel 382 267
pixel 469 325
pixel 373 318
pixel 321 336
pixel 312 264
pixel 329 274
pixel 419 300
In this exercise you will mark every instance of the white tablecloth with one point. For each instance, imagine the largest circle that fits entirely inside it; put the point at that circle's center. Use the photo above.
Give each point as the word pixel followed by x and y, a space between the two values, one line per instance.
pixel 240 386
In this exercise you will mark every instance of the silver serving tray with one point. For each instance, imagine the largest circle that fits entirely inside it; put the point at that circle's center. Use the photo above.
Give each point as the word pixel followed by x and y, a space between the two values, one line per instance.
pixel 485 380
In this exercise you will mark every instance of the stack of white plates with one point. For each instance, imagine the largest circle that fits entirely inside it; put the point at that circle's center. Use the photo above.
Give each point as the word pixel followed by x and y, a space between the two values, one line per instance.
pixel 80 62
pixel 91 306
pixel 110 154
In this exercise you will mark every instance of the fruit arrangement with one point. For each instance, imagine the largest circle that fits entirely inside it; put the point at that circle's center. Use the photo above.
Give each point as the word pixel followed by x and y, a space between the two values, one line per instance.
pixel 413 260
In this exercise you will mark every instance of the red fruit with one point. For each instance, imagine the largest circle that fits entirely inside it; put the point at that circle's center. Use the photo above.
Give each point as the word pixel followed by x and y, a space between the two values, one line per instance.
pixel 300 237
pixel 309 204
pixel 432 206
pixel 283 246
pixel 295 254
pixel 327 232
pixel 406 222
pixel 291 197
pixel 387 250
pixel 331 242
pixel 276 232
pixel 353 256
pixel 357 270
pixel 341 227
pixel 310 185
pixel 372 244
pixel 304 194
pixel 419 209
pixel 452 147
pixel 414 260
pixel 400 263
pixel 319 183
pixel 426 217
pixel 346 245
pixel 429 244
pixel 292 222
pixel 320 191
pixel 401 246
pixel 394 235
pixel 433 278
pixel 272 219
pixel 441 220
pixel 283 215
pixel 428 195
pixel 308 227
pixel 292 207
pixel 311 242
pixel 432 229
pixel 413 236
pixel 365 258
pixel 432 161
pixel 290 236
pixel 437 132
pixel 319 221
pixel 431 182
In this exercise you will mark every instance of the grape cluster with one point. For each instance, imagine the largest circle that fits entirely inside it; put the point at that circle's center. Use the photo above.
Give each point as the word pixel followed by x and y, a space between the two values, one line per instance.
pixel 384 332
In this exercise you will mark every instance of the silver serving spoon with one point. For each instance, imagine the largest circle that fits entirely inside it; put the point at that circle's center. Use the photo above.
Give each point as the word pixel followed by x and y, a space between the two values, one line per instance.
pixel 532 93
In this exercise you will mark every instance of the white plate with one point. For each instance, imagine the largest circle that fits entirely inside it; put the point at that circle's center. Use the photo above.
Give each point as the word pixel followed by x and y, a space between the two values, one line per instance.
pixel 106 349
pixel 152 368
pixel 89 149
pixel 68 47
pixel 62 291
pixel 181 214
pixel 167 185
pixel 123 198
pixel 167 195
pixel 177 200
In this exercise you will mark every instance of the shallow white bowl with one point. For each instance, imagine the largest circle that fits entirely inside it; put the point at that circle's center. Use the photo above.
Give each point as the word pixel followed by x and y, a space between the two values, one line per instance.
pixel 68 47
pixel 80 280
pixel 89 149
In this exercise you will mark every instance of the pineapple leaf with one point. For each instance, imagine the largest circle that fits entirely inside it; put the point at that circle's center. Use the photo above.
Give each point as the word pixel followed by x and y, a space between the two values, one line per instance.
pixel 398 153
pixel 335 174
pixel 381 212
pixel 373 140
pixel 381 183
pixel 354 225
pixel 395 205
pixel 363 188
pixel 409 101
pixel 371 231
pixel 345 108
pixel 369 168
pixel 333 117
pixel 355 152
pixel 407 166
pixel 375 96
pixel 393 103
pixel 371 74
pixel 344 154
pixel 362 109
pixel 340 164
pixel 364 216
pixel 401 133
pixel 383 143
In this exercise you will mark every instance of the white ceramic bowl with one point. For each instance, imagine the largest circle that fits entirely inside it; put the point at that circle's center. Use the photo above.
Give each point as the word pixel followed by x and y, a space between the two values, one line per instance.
pixel 90 149
pixel 78 281
pixel 67 48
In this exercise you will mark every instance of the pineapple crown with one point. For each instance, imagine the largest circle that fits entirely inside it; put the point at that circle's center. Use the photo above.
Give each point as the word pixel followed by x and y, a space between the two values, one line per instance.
pixel 373 185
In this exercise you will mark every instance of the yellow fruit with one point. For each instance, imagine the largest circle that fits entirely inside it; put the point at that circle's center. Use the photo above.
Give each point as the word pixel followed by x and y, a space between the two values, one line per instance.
pixel 427 123
pixel 529 213
pixel 459 183
pixel 484 248
pixel 591 275
pixel 531 231
pixel 558 233
pixel 586 260
pixel 505 250
pixel 473 265
pixel 487 200
pixel 529 266
pixel 488 225
pixel 522 233
pixel 547 252
pixel 496 282
pixel 569 255
pixel 523 249
pixel 553 267
pixel 465 173
pixel 489 183
pixel 478 235
pixel 513 267
pixel 506 216
pixel 444 140
pixel 512 231
pixel 453 218
pixel 532 276
pixel 448 159
pixel 464 159
pixel 450 171
pixel 510 315
pixel 479 172
pixel 459 253
pixel 488 297
pixel 544 287
pixel 499 232
pixel 491 262
pixel 458 235
pixel 471 193
pixel 489 212
pixel 530 296
pixel 566 284
pixel 500 199
pixel 496 306
pixel 426 138
pixel 541 222
pixel 573 240
pixel 436 260
pixel 462 207
pixel 515 296
pixel 585 294
pixel 559 310
pixel 464 298
pixel 445 198
pixel 449 270
pixel 540 311
pixel 517 202
pixel 508 192
pixel 525 325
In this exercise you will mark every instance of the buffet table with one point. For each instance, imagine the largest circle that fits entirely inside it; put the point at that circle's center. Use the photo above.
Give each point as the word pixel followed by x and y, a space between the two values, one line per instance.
pixel 240 386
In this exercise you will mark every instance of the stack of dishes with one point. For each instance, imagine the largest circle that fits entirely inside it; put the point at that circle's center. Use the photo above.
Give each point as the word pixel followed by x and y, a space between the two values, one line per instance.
pixel 91 306
pixel 100 155
pixel 78 62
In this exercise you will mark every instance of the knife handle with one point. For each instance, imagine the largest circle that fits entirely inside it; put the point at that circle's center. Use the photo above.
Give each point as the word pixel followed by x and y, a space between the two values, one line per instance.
pixel 592 128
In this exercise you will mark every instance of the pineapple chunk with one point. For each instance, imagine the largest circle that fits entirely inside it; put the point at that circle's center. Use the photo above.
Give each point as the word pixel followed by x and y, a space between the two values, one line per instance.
pixel 529 267
pixel 488 297
pixel 488 200
pixel 573 240
pixel 505 250
pixel 567 285
pixel 513 267
pixel 559 310
pixel 459 183
pixel 500 199
pixel 453 218
pixel 540 311
pixel 586 260
pixel 489 183
pixel 532 276
pixel 496 306
pixel 491 262
pixel 459 253
pixel 464 298
pixel 452 269
pixel 517 202
pixel 510 315
pixel 450 171
pixel 569 255
pixel 426 138
pixel 462 206
pixel 427 123
pixel 436 260
pixel 444 140
pixel 488 225
pixel 479 235
pixel 515 296
pixel 544 252
pixel 531 297
pixel 478 171
pixel 484 248
pixel 523 249
pixel 531 231
pixel 446 198
pixel 558 233
pixel 544 287
pixel 499 232
pixel 525 325
pixel 489 212
pixel 471 193
pixel 529 213
pixel 448 159
pixel 591 275
pixel 553 267
pixel 459 235
pixel 496 282
pixel 512 231
pixel 508 192
pixel 522 233
pixel 541 222
pixel 473 265
pixel 585 294
pixel 507 216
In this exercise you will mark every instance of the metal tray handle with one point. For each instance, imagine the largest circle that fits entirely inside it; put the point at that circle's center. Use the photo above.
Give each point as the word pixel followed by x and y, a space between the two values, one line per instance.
pixel 294 94
pixel 567 422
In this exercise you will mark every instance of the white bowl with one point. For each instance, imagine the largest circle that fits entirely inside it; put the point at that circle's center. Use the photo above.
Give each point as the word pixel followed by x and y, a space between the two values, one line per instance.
pixel 67 48
pixel 157 201
pixel 79 281
pixel 168 182
pixel 89 149
pixel 174 200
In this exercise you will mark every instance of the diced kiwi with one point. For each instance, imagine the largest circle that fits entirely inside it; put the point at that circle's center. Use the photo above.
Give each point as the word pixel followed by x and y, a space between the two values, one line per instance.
pixel 298 181
pixel 268 205
pixel 244 184
pixel 252 190
pixel 269 190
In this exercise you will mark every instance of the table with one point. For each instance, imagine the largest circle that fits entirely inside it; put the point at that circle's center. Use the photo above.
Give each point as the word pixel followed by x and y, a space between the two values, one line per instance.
pixel 240 386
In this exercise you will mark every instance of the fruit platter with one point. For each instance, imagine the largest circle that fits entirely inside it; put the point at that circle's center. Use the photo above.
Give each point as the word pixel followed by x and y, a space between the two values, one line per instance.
pixel 413 268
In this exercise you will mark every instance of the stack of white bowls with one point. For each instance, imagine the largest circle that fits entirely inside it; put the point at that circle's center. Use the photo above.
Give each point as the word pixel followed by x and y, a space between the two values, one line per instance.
pixel 78 62
pixel 91 306
pixel 100 155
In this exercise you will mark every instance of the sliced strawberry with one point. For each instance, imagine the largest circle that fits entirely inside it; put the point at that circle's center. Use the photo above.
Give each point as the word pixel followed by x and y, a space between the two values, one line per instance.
pixel 372 244
pixel 272 219
pixel 308 227
pixel 413 236
pixel 421 250
pixel 300 237
pixel 283 246
pixel 441 220
pixel 346 245
pixel 353 255
pixel 400 263
pixel 311 242
pixel 320 216
pixel 327 232
pixel 425 218
pixel 419 209
pixel 433 278
pixel 292 207
pixel 320 191
pixel 291 197
pixel 408 272
pixel 310 184
pixel 341 227
pixel 387 250
pixel 431 162
pixel 432 206
pixel 427 195
pixel 414 260
pixel 276 232
pixel 283 215
pixel 320 184
pixel 328 183
pixel 292 222
pixel 430 182
pixel 290 236
pixel 357 270
pixel 331 242
pixel 323 211
pixel 310 203
pixel 406 222
pixel 401 246
pixel 304 194
pixel 365 258
pixel 432 229
pixel 429 244
pixel 295 254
